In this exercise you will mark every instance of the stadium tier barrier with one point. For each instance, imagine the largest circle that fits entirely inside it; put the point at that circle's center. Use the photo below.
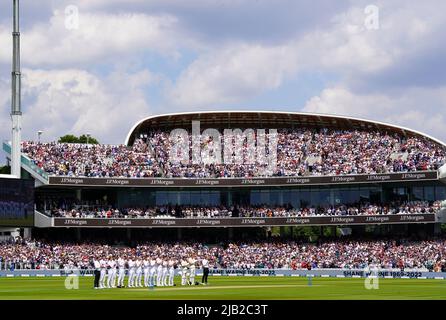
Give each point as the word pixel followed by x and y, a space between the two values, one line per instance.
pixel 323 273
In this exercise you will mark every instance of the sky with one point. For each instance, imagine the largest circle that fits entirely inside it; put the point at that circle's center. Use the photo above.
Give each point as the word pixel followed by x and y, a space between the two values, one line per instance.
pixel 98 66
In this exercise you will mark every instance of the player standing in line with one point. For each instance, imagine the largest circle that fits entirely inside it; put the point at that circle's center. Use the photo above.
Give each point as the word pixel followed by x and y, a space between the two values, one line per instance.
pixel 138 272
pixel 114 273
pixel 191 271
pixel 131 279
pixel 159 272
pixel 171 272
pixel 184 272
pixel 146 265
pixel 110 267
pixel 152 272
pixel 165 273
pixel 103 264
pixel 121 274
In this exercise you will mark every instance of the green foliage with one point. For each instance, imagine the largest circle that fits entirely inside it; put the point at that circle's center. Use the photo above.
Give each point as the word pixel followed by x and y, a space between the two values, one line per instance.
pixel 443 228
pixel 5 170
pixel 69 138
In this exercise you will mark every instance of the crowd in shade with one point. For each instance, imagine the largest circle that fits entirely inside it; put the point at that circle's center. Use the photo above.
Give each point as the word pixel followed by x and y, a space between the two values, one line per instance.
pixel 305 152
pixel 427 255
pixel 413 207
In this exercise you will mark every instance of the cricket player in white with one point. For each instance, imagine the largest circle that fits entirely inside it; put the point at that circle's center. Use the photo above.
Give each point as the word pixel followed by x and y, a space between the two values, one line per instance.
pixel 171 272
pixel 103 273
pixel 191 271
pixel 131 279
pixel 159 272
pixel 138 273
pixel 146 265
pixel 184 272
pixel 111 273
pixel 121 274
pixel 165 273
pixel 152 272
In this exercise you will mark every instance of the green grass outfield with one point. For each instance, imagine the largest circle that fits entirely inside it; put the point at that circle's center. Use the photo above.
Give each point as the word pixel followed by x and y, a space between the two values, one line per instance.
pixel 282 288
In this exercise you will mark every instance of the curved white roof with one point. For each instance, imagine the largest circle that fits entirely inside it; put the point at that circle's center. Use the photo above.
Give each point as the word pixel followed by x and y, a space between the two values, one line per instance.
pixel 283 112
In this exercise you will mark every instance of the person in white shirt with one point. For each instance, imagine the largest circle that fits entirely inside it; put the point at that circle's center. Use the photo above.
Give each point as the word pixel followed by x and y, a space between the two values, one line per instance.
pixel 146 265
pixel 138 273
pixel 131 279
pixel 152 272
pixel 165 273
pixel 159 272
pixel 103 264
pixel 191 271
pixel 184 272
pixel 111 273
pixel 171 272
pixel 121 274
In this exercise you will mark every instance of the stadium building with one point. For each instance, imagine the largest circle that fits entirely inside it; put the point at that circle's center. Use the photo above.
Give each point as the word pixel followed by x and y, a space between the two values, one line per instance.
pixel 310 187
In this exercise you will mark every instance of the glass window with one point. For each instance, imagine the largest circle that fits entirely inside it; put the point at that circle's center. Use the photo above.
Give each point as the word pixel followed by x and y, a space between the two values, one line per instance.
pixel 184 198
pixel 429 193
pixel 417 193
pixel 440 193
pixel 161 198
pixel 195 198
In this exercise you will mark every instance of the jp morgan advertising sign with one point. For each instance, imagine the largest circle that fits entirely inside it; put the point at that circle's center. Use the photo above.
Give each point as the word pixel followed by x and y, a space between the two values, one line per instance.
pixel 244 222
pixel 16 202
pixel 245 182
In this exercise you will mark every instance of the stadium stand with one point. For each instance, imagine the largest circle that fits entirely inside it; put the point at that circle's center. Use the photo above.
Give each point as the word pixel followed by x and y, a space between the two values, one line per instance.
pixel 303 152
pixel 346 254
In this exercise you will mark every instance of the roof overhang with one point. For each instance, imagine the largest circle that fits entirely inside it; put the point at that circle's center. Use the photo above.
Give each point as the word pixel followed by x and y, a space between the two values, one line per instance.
pixel 263 117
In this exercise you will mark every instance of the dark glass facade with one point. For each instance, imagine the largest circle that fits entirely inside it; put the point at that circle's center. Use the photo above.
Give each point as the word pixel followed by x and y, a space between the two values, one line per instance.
pixel 273 196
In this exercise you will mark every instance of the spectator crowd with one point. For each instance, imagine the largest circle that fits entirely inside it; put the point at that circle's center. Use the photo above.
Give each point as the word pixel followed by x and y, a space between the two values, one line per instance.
pixel 413 207
pixel 427 255
pixel 300 152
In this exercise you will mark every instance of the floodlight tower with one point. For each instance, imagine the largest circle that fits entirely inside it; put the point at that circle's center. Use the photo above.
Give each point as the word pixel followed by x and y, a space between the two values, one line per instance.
pixel 16 112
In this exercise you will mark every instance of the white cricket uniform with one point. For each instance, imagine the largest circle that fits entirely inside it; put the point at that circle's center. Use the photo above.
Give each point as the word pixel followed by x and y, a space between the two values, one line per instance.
pixel 111 283
pixel 192 272
pixel 103 264
pixel 138 273
pixel 131 279
pixel 146 265
pixel 184 272
pixel 171 273
pixel 152 273
pixel 159 275
pixel 165 273
pixel 121 274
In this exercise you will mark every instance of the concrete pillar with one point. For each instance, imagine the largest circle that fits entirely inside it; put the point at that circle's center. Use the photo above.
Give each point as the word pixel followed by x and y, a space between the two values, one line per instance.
pixel 27 234
pixel 79 194
pixel 282 231
pixel 230 233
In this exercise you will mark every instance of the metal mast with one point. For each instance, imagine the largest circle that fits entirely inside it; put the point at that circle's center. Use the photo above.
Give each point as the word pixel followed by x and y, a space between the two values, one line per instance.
pixel 16 112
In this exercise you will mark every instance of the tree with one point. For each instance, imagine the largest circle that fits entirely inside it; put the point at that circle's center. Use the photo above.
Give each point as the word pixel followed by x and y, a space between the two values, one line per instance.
pixel 69 138
pixel 5 170
pixel 84 139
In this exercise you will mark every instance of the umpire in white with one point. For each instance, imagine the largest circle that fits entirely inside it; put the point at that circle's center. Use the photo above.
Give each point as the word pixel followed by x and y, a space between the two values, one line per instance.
pixel 205 265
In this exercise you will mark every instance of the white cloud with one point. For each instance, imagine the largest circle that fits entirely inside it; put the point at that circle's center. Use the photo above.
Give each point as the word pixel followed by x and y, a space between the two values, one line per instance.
pixel 231 74
pixel 419 109
pixel 98 37
pixel 75 101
